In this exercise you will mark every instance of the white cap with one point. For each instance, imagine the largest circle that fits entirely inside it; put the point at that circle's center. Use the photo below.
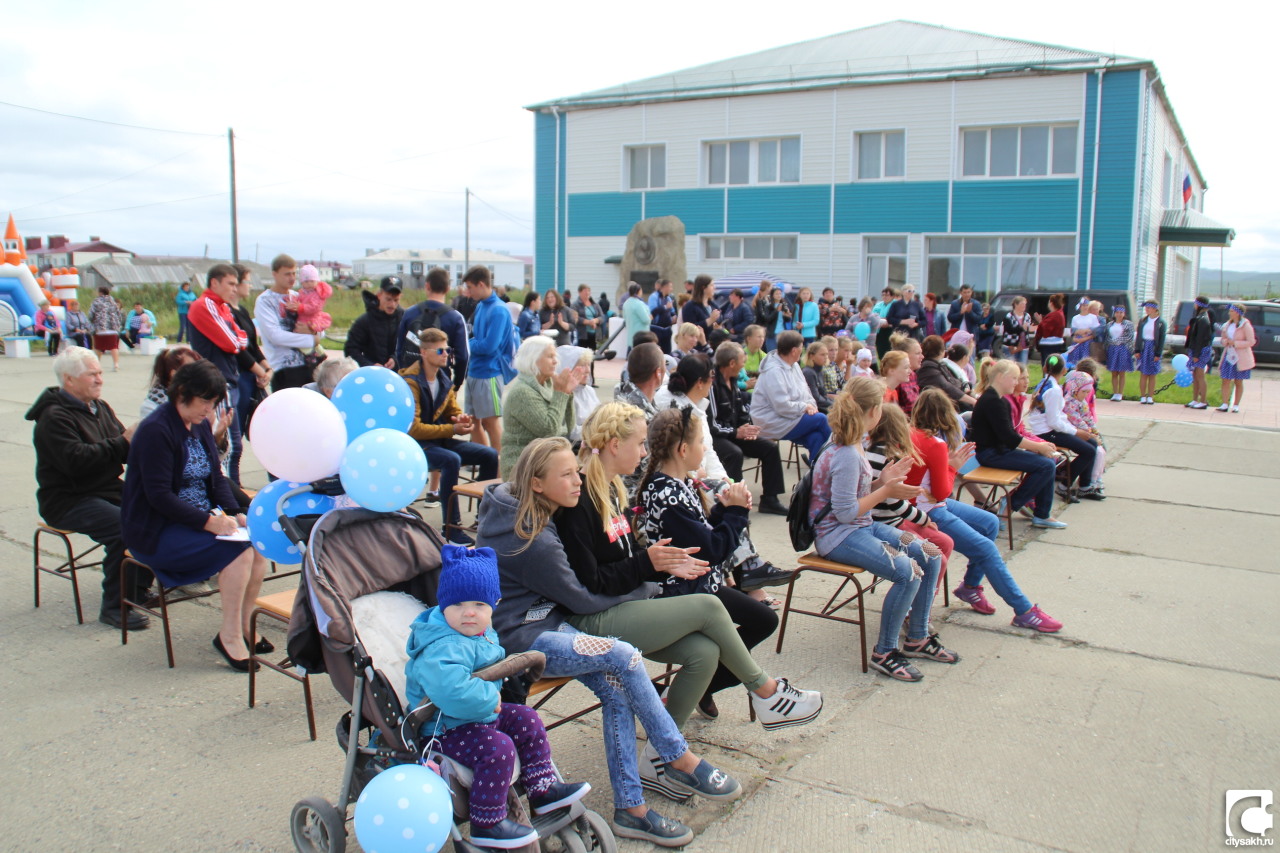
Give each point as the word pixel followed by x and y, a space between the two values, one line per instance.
pixel 863 353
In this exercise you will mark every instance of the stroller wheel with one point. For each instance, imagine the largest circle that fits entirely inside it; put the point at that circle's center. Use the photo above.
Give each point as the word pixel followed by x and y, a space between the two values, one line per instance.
pixel 570 841
pixel 318 827
pixel 595 833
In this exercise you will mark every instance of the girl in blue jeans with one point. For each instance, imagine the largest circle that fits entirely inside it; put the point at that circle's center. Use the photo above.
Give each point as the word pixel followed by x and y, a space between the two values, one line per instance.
pixel 844 493
pixel 972 530
pixel 515 522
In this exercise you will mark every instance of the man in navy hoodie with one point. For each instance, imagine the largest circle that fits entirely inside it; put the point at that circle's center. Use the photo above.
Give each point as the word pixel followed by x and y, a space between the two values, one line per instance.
pixel 493 351
pixel 434 313
pixel 442 429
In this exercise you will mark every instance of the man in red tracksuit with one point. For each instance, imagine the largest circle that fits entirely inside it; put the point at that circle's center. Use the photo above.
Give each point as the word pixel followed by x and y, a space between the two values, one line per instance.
pixel 215 335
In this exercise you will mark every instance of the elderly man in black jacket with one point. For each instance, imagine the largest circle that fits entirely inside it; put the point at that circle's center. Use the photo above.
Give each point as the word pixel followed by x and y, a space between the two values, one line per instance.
pixel 81 448
pixel 372 338
pixel 734 436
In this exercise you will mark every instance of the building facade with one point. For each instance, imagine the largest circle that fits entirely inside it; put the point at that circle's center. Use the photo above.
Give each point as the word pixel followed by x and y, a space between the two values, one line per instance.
pixel 897 153
pixel 412 265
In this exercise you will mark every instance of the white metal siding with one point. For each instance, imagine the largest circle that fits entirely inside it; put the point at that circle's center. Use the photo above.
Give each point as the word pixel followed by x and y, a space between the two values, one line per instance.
pixel 922 110
pixel 1019 100
pixel 584 263
pixel 595 148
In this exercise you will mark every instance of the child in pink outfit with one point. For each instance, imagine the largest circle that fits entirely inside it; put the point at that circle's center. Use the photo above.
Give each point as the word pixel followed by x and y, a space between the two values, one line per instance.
pixel 307 305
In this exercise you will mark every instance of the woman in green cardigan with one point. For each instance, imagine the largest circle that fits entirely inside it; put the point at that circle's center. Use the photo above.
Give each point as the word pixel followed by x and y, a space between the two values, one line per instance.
pixel 539 401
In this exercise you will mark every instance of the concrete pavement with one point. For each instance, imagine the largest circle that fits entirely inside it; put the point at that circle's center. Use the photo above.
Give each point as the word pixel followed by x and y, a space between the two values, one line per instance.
pixel 1121 733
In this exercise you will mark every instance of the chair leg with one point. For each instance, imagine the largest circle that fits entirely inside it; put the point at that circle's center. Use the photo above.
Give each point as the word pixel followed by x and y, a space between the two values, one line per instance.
pixel 786 611
pixel 862 623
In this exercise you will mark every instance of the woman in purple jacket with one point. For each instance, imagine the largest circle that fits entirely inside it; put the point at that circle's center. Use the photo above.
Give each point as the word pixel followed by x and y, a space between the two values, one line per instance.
pixel 174 503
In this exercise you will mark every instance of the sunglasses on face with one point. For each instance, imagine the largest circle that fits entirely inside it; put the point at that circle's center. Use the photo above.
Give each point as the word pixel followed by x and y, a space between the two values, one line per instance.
pixel 442 351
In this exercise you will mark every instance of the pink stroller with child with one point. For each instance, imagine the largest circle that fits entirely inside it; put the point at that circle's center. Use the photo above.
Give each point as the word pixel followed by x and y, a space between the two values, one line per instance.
pixel 365 575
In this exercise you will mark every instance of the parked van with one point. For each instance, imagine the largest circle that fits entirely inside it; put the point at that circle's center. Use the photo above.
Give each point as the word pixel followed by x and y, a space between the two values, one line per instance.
pixel 1263 314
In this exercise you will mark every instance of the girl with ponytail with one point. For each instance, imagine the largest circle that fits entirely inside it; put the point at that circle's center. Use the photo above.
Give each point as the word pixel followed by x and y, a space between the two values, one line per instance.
pixel 676 509
pixel 1049 421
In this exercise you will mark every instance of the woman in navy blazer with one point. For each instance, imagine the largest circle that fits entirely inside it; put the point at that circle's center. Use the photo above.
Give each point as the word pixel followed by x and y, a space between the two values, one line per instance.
pixel 174 504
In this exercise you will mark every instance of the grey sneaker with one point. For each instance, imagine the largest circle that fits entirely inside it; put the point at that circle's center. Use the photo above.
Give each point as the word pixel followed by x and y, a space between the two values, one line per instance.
pixel 706 781
pixel 787 706
pixel 653 777
pixel 653 827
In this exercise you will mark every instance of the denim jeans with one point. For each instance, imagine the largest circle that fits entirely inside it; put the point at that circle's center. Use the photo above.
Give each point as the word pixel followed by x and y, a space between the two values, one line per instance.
pixel 878 549
pixel 1037 484
pixel 1085 451
pixel 614 671
pixel 234 436
pixel 447 456
pixel 812 431
pixel 974 533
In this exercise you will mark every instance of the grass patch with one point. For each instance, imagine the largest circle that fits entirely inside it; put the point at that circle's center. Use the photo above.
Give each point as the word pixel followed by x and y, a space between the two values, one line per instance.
pixel 1171 394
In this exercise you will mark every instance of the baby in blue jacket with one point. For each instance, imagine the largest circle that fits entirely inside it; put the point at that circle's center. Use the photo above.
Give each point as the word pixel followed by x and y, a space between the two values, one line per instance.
pixel 446 645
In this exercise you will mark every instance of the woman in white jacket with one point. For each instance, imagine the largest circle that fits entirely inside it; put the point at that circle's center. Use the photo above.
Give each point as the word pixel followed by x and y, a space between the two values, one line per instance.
pixel 781 405
pixel 1048 419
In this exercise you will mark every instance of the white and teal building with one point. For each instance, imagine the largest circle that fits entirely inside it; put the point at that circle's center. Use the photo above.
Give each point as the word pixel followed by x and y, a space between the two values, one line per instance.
pixel 902 152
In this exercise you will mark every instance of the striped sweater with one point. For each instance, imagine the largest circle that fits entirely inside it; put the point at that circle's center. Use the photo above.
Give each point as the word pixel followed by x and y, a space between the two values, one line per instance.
pixel 895 510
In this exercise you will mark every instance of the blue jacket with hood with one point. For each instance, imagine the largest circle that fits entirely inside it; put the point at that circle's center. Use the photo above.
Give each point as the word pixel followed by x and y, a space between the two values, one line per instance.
pixel 440 667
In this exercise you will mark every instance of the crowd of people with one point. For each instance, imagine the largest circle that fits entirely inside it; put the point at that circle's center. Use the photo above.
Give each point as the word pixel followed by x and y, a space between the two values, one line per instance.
pixel 619 531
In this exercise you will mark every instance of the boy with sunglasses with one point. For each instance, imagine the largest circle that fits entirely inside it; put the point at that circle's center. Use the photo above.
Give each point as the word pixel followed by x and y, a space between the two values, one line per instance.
pixel 441 428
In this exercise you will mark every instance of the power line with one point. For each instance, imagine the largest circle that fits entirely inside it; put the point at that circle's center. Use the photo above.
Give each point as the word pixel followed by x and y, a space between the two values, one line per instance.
pixel 105 121
pixel 130 207
pixel 106 183
pixel 524 223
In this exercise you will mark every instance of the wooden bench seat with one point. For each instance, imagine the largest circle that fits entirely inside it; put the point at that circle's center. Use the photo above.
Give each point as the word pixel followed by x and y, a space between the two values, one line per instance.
pixel 999 484
pixel 473 492
pixel 811 562
pixel 278 606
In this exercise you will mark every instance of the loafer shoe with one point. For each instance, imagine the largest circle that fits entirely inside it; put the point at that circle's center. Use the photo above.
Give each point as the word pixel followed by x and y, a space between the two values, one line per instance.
pixel 137 621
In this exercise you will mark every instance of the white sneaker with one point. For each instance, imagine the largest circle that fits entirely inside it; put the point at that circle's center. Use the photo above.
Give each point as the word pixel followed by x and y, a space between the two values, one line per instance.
pixel 1117 398
pixel 1224 408
pixel 787 706
pixel 1235 409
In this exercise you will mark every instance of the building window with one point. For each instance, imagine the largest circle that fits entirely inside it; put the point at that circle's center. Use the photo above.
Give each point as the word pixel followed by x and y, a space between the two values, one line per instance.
pixel 992 264
pixel 754 161
pixel 886 260
pixel 882 154
pixel 647 167
pixel 762 247
pixel 1030 151
pixel 400 268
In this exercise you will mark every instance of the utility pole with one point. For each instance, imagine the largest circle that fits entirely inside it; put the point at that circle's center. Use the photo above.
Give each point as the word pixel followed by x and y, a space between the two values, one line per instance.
pixel 466 244
pixel 235 236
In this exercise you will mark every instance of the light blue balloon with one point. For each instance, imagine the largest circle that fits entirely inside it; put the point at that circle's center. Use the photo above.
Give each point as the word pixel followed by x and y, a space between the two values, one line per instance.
pixel 404 808
pixel 265 532
pixel 1183 378
pixel 383 470
pixel 861 330
pixel 1180 361
pixel 24 321
pixel 373 397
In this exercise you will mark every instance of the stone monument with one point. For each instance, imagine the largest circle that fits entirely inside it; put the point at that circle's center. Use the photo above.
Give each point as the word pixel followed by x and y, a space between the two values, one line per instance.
pixel 655 250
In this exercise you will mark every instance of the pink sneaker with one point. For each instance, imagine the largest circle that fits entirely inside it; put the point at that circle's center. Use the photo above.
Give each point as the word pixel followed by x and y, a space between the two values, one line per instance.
pixel 1037 619
pixel 974 597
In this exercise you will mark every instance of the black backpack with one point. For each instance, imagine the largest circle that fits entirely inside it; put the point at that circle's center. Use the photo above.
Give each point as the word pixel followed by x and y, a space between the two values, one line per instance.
pixel 428 319
pixel 799 525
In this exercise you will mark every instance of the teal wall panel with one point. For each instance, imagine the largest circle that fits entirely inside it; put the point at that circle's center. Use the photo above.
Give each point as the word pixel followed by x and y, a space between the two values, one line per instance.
pixel 879 208
pixel 1022 206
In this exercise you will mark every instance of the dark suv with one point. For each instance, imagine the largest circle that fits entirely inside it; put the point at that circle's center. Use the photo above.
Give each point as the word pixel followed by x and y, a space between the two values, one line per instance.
pixel 1264 315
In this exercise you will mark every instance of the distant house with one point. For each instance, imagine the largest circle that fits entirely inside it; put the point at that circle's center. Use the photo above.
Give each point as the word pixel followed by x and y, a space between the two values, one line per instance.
pixel 61 252
pixel 897 153
pixel 412 265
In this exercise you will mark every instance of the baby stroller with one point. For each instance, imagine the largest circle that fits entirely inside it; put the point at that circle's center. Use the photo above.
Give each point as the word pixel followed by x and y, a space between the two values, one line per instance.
pixel 350 553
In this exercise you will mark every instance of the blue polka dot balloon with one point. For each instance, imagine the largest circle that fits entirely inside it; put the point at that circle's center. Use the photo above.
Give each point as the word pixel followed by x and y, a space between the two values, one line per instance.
pixel 404 808
pixel 373 398
pixel 383 470
pixel 265 532
pixel 1183 378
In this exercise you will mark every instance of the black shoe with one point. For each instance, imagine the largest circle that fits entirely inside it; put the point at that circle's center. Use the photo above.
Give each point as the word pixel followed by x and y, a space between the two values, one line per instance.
pixel 770 505
pixel 707 707
pixel 765 575
pixel 237 665
pixel 458 537
pixel 262 647
pixel 559 795
pixel 137 621
pixel 431 499
pixel 506 835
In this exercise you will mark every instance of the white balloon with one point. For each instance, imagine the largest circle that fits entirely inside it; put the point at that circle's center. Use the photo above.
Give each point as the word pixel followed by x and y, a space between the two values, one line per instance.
pixel 298 434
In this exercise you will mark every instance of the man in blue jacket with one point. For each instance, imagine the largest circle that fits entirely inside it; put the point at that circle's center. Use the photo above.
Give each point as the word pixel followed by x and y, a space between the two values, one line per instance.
pixel 493 350
pixel 965 313
pixel 740 315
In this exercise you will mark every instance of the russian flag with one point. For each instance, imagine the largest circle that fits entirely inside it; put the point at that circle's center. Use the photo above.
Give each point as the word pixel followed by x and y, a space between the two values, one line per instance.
pixel 1186 190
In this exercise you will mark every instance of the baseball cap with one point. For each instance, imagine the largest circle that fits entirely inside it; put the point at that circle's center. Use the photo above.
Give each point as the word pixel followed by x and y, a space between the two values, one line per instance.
pixel 392 284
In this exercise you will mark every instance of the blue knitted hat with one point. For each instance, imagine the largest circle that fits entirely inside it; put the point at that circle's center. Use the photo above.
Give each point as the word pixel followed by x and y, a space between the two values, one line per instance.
pixel 468 575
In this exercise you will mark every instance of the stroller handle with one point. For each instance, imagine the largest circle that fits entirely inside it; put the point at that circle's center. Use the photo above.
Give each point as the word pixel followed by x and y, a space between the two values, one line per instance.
pixel 291 526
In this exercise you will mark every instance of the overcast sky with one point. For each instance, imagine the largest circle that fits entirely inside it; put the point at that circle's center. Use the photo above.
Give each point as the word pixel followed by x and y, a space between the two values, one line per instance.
pixel 359 124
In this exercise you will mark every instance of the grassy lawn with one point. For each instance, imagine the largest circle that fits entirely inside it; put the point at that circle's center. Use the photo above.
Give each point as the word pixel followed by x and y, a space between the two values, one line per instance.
pixel 1172 394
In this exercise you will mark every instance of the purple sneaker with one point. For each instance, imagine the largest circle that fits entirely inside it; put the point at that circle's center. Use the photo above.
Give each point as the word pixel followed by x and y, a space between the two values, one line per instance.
pixel 975 598
pixel 1038 620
